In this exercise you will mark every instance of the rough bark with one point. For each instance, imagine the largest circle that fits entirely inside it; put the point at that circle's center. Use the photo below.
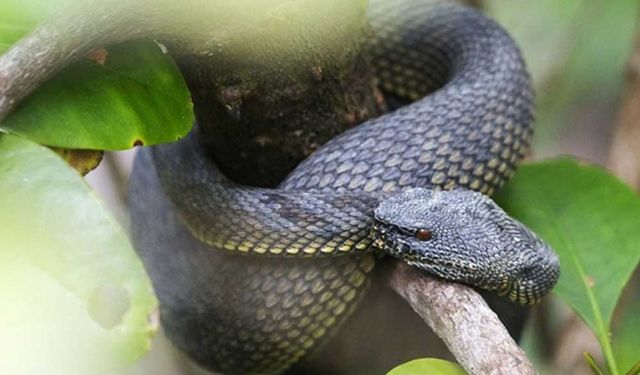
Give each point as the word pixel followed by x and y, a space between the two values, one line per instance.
pixel 462 319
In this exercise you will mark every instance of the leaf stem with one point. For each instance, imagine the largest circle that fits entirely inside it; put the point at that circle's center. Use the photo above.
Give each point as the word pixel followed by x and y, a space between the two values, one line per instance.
pixel 601 332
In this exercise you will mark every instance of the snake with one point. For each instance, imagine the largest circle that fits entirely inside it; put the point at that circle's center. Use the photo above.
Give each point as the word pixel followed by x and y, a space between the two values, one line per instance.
pixel 250 280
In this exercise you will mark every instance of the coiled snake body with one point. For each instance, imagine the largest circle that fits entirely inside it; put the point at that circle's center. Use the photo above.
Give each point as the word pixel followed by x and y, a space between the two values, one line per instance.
pixel 386 184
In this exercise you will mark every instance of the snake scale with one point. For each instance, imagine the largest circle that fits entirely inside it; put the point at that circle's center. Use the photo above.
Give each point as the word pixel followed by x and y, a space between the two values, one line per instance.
pixel 251 279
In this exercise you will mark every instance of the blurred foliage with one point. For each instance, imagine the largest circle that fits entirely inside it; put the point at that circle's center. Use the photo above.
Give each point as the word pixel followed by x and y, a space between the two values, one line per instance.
pixel 576 51
pixel 591 220
pixel 431 366
pixel 76 299
pixel 17 18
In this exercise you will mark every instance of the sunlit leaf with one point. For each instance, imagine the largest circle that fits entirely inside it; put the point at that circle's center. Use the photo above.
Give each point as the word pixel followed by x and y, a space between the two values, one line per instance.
pixel 75 298
pixel 431 366
pixel 117 97
pixel 121 96
pixel 591 219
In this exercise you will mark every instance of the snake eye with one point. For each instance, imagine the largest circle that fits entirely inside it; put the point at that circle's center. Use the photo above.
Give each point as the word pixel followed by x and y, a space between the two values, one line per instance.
pixel 423 234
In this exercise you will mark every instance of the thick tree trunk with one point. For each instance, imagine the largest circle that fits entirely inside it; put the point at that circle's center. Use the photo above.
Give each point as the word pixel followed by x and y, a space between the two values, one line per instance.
pixel 267 100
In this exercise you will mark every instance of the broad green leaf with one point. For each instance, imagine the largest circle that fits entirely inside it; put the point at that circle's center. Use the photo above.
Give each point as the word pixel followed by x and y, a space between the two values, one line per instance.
pixel 431 366
pixel 75 297
pixel 135 96
pixel 591 219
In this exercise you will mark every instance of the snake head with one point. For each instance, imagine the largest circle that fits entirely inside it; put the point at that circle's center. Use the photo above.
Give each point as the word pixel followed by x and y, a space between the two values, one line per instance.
pixel 463 236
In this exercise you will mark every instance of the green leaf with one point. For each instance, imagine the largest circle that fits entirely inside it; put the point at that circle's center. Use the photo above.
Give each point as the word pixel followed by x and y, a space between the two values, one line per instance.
pixel 431 366
pixel 591 219
pixel 135 96
pixel 75 297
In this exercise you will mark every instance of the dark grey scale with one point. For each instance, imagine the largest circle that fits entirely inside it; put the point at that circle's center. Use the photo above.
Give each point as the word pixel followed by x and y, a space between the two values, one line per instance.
pixel 251 326
pixel 250 280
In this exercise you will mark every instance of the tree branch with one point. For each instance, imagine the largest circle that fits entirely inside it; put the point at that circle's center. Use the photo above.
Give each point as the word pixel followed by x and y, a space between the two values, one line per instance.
pixel 462 319
pixel 56 43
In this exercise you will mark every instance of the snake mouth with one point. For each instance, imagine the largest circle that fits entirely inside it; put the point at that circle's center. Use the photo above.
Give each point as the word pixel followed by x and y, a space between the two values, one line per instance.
pixel 525 287
pixel 520 290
